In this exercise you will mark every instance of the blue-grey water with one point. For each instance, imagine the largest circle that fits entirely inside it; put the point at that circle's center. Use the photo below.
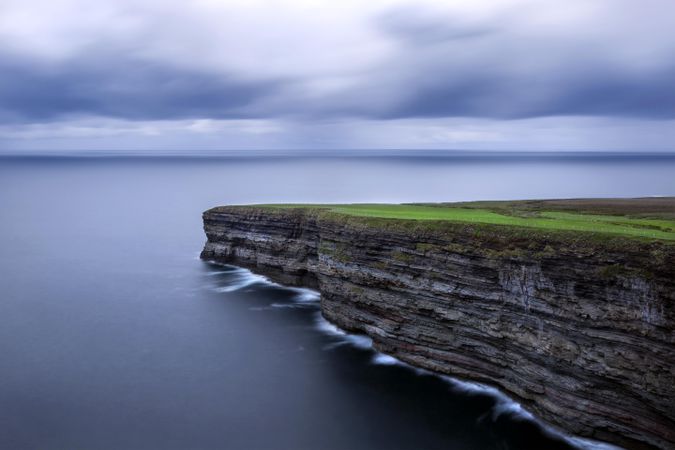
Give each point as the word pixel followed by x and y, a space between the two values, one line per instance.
pixel 114 335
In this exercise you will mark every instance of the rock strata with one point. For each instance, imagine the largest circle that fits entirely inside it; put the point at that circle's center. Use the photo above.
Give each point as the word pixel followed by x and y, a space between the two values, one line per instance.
pixel 580 330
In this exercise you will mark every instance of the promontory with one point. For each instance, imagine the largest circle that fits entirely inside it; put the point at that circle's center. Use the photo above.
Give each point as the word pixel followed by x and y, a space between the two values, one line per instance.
pixel 568 306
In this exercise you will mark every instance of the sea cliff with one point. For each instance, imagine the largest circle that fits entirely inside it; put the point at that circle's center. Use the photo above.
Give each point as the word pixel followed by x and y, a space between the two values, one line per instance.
pixel 579 327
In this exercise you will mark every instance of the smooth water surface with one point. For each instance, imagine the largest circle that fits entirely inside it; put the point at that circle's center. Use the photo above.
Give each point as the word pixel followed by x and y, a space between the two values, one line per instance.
pixel 114 335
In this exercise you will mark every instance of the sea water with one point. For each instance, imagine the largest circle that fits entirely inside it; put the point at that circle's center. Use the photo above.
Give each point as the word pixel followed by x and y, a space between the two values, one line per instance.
pixel 114 335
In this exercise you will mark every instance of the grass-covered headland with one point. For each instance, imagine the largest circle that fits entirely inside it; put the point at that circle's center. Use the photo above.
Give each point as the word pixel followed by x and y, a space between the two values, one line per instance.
pixel 643 217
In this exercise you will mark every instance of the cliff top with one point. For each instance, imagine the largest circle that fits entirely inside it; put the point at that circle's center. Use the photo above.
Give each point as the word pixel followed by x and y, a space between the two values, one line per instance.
pixel 652 218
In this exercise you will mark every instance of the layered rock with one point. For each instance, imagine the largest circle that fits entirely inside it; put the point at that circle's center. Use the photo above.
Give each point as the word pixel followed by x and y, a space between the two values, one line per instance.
pixel 578 328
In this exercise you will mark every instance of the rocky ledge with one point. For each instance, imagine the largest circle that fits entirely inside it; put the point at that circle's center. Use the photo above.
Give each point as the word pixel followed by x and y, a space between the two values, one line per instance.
pixel 577 327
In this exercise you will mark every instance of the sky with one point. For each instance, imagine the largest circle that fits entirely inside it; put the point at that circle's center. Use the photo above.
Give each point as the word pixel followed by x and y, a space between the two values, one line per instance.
pixel 380 74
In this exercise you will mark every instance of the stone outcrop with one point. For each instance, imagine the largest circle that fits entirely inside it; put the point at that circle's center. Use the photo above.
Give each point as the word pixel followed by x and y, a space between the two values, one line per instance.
pixel 579 328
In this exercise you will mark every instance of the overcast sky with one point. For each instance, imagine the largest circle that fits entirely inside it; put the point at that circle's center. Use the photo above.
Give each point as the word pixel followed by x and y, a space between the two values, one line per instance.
pixel 253 74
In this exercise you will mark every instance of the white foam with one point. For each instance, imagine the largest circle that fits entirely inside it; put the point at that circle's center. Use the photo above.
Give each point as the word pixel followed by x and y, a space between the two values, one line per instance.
pixel 504 405
pixel 588 444
pixel 472 387
pixel 381 358
pixel 359 341
pixel 306 295
pixel 218 272
pixel 507 406
pixel 326 327
pixel 242 279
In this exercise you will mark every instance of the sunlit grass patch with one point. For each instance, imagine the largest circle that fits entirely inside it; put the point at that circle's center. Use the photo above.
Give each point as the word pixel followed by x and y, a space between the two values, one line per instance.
pixel 503 215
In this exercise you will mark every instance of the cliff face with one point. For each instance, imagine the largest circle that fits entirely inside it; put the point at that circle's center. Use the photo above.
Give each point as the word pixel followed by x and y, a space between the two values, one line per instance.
pixel 580 331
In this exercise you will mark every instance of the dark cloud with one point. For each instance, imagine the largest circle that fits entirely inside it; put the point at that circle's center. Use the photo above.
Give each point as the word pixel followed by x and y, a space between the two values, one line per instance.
pixel 607 93
pixel 444 68
pixel 603 93
pixel 122 87
pixel 501 66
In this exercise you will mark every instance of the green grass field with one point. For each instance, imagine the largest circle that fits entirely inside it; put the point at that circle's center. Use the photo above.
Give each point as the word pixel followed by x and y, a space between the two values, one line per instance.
pixel 518 214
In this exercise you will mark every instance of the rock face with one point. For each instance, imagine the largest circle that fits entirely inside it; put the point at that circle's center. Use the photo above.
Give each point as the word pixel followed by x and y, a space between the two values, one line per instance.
pixel 581 331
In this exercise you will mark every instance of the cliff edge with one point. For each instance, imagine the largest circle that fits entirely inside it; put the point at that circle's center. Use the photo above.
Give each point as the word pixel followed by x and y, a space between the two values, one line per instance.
pixel 578 326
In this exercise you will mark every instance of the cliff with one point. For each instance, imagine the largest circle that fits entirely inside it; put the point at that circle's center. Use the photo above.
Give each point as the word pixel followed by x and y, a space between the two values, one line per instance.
pixel 579 327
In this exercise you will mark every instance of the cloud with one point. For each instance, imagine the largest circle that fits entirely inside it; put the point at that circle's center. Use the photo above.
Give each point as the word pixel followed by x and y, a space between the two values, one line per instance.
pixel 299 64
pixel 515 64
pixel 115 85
pixel 488 93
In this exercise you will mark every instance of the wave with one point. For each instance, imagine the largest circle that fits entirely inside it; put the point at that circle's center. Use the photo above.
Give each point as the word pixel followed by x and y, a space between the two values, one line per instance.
pixel 305 295
pixel 218 272
pixel 241 278
pixel 381 358
pixel 588 444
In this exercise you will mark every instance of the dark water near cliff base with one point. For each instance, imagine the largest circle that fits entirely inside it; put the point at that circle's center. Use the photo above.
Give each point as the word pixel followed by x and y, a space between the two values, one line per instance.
pixel 113 335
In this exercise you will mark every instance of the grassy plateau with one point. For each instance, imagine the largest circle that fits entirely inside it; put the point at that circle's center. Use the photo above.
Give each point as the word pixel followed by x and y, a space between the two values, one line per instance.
pixel 645 217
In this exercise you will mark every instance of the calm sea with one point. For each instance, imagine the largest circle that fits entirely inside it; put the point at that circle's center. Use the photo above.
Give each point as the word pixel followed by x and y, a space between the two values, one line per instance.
pixel 114 335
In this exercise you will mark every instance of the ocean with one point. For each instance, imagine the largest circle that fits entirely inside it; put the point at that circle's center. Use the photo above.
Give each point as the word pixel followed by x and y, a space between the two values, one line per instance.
pixel 114 335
